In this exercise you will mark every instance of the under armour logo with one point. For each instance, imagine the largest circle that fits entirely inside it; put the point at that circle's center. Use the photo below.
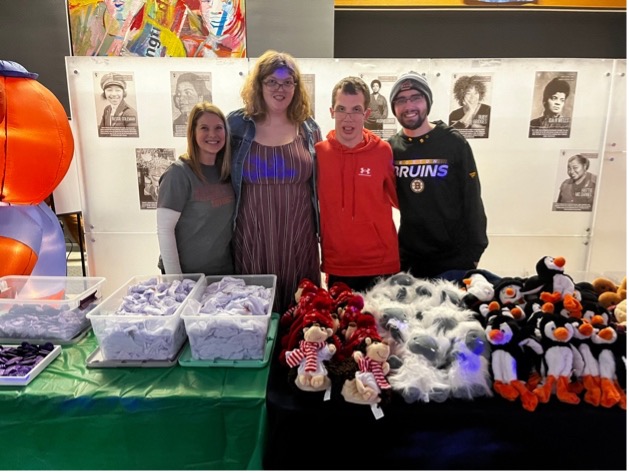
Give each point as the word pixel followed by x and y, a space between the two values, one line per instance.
pixel 407 84
pixel 365 172
pixel 473 174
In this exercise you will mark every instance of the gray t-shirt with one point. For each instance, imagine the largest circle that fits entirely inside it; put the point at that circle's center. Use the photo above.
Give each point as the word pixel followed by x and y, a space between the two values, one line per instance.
pixel 204 230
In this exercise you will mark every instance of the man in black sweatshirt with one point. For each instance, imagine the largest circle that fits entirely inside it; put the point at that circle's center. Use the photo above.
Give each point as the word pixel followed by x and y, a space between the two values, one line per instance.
pixel 443 226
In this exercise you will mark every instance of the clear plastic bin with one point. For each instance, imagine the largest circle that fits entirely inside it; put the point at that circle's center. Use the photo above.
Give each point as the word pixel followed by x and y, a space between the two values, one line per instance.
pixel 143 336
pixel 226 336
pixel 46 308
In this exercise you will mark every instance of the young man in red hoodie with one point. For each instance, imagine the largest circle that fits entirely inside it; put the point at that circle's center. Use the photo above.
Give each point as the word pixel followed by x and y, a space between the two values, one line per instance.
pixel 356 188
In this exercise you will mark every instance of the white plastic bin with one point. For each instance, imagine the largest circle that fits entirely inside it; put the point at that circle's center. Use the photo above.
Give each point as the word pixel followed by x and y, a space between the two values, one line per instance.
pixel 224 335
pixel 47 308
pixel 142 336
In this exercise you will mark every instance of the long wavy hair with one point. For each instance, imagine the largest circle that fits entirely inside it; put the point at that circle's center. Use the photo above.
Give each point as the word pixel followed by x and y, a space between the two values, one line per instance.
pixel 255 107
pixel 223 157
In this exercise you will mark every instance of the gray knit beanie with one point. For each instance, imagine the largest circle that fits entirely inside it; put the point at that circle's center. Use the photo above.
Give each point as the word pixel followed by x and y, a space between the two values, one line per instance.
pixel 412 80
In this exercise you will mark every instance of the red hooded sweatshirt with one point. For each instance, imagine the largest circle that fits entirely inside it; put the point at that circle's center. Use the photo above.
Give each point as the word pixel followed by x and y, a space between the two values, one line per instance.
pixel 356 188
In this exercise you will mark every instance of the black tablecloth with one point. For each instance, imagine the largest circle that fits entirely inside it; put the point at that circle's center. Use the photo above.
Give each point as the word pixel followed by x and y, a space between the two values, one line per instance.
pixel 306 433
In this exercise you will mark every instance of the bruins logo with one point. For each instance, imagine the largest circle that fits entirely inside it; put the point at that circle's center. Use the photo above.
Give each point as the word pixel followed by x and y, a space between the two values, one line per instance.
pixel 417 185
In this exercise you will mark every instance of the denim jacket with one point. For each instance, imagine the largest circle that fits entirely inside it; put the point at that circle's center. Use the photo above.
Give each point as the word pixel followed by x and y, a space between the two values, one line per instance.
pixel 242 130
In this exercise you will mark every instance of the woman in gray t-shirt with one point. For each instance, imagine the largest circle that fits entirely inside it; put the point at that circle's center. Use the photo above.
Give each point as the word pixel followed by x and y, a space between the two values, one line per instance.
pixel 195 202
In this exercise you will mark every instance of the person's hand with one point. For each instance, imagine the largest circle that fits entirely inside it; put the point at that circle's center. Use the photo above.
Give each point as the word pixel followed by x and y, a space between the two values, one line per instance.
pixel 470 109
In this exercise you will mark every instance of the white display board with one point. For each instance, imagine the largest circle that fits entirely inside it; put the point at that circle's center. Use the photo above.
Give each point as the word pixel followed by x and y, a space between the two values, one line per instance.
pixel 518 174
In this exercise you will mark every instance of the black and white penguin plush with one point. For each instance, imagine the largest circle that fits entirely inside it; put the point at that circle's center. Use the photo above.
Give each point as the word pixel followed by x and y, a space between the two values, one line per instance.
pixel 586 371
pixel 508 290
pixel 552 276
pixel 605 346
pixel 507 357
pixel 556 333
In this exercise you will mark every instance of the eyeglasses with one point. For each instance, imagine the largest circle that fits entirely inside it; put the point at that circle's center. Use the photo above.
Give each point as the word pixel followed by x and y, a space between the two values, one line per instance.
pixel 342 114
pixel 412 99
pixel 273 84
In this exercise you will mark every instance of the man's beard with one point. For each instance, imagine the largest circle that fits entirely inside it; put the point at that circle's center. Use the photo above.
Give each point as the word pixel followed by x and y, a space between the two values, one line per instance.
pixel 411 124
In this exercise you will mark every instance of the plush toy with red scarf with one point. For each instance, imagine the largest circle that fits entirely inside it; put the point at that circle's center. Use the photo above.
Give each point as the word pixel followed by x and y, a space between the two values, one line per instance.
pixel 313 351
pixel 370 379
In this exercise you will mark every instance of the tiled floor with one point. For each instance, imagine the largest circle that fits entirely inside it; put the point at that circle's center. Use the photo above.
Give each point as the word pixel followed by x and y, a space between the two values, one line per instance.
pixel 73 258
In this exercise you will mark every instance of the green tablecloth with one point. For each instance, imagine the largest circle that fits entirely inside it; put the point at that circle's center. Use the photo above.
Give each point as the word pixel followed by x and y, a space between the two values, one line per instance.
pixel 74 418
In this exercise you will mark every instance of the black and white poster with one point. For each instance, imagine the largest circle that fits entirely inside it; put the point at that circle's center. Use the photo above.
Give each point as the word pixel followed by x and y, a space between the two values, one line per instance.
pixel 309 83
pixel 188 89
pixel 553 100
pixel 151 164
pixel 470 104
pixel 115 104
pixel 576 181
pixel 381 119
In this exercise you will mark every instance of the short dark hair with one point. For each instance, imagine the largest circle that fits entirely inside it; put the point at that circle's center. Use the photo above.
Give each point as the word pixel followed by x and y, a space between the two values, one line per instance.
pixel 585 162
pixel 352 85
pixel 375 81
pixel 198 83
pixel 554 86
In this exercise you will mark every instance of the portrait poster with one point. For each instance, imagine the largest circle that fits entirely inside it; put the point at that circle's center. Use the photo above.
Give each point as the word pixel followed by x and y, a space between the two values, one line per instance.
pixel 151 164
pixel 309 83
pixel 576 181
pixel 188 89
pixel 116 107
pixel 553 101
pixel 381 119
pixel 158 28
pixel 470 104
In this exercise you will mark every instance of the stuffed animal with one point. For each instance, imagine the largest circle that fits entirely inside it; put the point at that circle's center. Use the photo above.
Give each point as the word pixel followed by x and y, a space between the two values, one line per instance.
pixel 508 290
pixel 303 296
pixel 610 294
pixel 620 312
pixel 369 381
pixel 503 335
pixel 552 276
pixel 586 370
pixel 318 301
pixel 606 346
pixel 478 288
pixel 313 351
pixel 556 333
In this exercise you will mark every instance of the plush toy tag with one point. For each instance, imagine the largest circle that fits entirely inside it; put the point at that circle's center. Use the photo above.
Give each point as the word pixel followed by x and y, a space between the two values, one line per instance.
pixel 327 395
pixel 377 412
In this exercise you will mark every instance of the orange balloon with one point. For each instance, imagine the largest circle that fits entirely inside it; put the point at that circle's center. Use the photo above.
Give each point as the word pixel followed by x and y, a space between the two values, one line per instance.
pixel 17 258
pixel 36 142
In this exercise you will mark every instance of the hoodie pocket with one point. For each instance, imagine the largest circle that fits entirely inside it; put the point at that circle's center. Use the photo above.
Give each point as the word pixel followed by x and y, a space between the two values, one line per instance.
pixel 356 245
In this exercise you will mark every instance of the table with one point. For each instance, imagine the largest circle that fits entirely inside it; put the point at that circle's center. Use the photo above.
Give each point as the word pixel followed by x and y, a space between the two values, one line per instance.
pixel 304 432
pixel 74 418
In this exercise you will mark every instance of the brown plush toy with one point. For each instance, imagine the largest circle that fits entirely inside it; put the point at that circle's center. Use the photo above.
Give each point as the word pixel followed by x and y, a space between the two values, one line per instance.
pixel 369 382
pixel 312 352
pixel 610 294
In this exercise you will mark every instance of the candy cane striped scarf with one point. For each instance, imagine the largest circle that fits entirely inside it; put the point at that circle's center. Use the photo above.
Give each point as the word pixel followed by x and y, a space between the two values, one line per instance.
pixel 307 350
pixel 367 365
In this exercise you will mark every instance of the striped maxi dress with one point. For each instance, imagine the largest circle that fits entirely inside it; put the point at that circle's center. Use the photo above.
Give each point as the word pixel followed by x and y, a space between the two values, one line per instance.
pixel 275 229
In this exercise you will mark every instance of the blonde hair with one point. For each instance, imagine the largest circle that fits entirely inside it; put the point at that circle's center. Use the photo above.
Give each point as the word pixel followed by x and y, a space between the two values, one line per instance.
pixel 223 157
pixel 299 109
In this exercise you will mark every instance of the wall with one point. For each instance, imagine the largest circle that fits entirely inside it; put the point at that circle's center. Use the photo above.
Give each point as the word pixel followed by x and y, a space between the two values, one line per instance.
pixel 494 33
pixel 519 175
pixel 303 28
pixel 35 34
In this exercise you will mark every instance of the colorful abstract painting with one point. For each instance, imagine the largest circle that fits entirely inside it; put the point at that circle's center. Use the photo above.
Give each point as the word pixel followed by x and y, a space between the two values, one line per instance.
pixel 158 28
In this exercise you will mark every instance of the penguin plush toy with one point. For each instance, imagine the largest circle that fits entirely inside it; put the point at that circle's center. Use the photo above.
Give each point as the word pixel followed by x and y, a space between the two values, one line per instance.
pixel 556 333
pixel 504 336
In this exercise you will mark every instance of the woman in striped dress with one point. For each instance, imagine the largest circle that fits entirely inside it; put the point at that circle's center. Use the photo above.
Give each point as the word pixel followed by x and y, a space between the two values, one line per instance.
pixel 273 174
